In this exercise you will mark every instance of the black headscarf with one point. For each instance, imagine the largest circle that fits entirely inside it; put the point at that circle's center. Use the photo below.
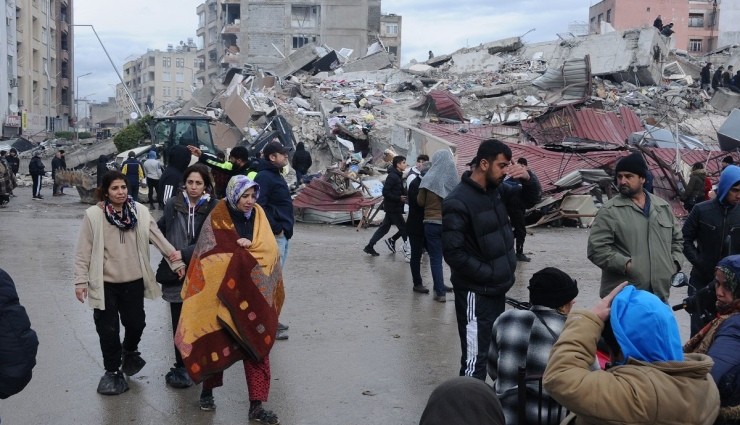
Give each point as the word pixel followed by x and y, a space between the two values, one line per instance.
pixel 463 401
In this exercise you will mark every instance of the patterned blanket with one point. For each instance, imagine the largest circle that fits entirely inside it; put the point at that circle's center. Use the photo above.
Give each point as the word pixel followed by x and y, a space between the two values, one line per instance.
pixel 232 296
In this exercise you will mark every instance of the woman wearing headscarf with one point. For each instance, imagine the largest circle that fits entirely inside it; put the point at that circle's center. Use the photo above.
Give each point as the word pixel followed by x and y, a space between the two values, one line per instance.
pixel 181 222
pixel 113 272
pixel 720 338
pixel 437 183
pixel 525 338
pixel 232 298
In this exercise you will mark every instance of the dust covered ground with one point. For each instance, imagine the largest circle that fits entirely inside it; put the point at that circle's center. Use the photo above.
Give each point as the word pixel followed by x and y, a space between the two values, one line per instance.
pixel 363 348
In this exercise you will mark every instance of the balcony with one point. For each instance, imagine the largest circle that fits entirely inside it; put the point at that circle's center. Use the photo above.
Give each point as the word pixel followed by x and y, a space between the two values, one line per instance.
pixel 64 55
pixel 64 82
pixel 231 58
pixel 201 31
pixel 63 27
pixel 232 28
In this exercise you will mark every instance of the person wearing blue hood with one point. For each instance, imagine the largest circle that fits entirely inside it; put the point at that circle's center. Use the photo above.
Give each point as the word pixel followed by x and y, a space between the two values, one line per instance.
pixel 710 233
pixel 650 379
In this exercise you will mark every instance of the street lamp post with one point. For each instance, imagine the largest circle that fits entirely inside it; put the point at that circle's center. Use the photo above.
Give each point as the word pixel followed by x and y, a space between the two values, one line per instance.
pixel 77 105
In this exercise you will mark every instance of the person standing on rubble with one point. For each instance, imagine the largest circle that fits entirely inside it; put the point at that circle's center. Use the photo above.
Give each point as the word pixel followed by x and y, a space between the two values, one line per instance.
pixel 394 196
pixel 478 245
pixel 134 173
pixel 517 210
pixel 275 200
pixel 727 76
pixel 36 170
pixel 301 163
pixel 57 164
pixel 153 172
pixel 635 236
pixel 658 23
pixel 441 179
pixel 706 76
pixel 717 78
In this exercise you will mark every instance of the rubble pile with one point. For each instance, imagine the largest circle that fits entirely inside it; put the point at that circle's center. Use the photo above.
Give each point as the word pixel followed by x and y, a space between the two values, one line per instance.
pixel 575 95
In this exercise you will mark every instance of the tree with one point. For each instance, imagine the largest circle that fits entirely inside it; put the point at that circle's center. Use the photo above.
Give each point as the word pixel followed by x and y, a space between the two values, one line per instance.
pixel 131 136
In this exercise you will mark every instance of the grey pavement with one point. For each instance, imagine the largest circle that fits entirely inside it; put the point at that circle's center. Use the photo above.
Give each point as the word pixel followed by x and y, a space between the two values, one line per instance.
pixel 363 348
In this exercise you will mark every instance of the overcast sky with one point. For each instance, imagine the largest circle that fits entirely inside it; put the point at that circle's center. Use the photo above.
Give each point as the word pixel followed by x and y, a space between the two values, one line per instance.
pixel 129 28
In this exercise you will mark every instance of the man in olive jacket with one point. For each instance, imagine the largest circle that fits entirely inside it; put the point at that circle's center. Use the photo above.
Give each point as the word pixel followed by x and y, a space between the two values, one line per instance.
pixel 635 236
pixel 650 379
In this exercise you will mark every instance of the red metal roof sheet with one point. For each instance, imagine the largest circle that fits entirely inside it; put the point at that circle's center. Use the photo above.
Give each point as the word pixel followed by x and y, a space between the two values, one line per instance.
pixel 446 104
pixel 589 124
pixel 320 195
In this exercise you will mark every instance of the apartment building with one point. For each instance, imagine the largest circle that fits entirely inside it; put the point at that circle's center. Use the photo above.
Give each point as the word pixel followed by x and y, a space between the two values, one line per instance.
pixel 158 78
pixel 38 67
pixel 696 22
pixel 262 32
pixel 390 35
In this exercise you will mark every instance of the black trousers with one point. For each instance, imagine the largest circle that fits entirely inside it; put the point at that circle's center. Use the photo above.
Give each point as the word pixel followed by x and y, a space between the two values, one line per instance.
pixel 36 178
pixel 153 185
pixel 475 316
pixel 390 219
pixel 417 247
pixel 519 225
pixel 124 300
pixel 175 310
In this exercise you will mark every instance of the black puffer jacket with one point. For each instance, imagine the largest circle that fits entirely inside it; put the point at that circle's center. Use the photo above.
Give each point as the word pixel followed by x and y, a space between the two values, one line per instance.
pixel 393 190
pixel 477 239
pixel 710 233
pixel 275 198
pixel 302 159
pixel 36 166
pixel 18 342
pixel 171 179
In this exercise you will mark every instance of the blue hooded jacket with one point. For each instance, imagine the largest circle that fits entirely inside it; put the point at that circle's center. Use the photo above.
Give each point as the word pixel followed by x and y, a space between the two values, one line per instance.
pixel 645 327
pixel 729 177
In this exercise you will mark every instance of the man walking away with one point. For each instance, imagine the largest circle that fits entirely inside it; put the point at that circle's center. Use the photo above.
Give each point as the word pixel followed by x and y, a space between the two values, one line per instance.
pixel 36 170
pixel 134 173
pixel 711 233
pixel 58 163
pixel 517 210
pixel 275 200
pixel 153 172
pixel 394 197
pixel 478 245
pixel 635 236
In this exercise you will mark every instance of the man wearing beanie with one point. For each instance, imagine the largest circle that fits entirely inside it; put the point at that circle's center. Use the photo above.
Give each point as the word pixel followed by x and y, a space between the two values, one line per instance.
pixel 710 233
pixel 649 381
pixel 635 237
pixel 525 337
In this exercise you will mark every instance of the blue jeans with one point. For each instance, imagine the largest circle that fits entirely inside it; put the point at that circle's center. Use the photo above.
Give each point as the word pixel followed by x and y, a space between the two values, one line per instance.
pixel 433 239
pixel 282 242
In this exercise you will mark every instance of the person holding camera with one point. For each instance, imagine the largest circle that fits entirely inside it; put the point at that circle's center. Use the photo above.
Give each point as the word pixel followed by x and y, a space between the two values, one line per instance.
pixel 720 339
pixel 710 233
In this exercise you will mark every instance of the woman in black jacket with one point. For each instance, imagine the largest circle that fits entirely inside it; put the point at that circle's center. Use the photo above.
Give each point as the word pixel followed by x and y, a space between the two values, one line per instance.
pixel 183 217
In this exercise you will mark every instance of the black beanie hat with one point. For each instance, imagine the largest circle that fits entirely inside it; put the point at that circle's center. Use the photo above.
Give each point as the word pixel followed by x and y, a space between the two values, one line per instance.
pixel 632 163
pixel 551 287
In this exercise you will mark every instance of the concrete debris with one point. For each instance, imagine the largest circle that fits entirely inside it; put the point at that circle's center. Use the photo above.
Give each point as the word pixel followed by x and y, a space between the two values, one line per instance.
pixel 725 100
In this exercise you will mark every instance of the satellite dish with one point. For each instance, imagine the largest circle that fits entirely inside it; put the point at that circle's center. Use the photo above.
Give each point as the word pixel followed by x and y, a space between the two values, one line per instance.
pixel 13 108
pixel 134 115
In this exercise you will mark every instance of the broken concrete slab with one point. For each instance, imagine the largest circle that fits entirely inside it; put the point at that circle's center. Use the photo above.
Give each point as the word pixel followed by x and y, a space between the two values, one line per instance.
pixel 300 58
pixel 492 91
pixel 225 136
pixel 376 61
pixel 419 69
pixel 237 109
pixel 634 55
pixel 725 100
pixel 438 60
pixel 729 133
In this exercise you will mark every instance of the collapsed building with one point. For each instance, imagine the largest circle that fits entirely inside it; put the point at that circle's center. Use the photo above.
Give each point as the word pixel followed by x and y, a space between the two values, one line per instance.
pixel 572 107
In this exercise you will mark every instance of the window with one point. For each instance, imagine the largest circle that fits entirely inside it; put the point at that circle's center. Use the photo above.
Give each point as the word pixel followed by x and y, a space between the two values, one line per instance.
pixel 180 62
pixel 166 91
pixel 391 29
pixel 601 17
pixel 695 45
pixel 179 77
pixel 305 16
pixel 166 62
pixel 609 15
pixel 696 20
pixel 301 40
pixel 166 76
pixel 179 92
pixel 393 50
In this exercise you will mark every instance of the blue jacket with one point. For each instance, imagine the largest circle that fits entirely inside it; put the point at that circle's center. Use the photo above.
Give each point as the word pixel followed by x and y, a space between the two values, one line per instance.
pixel 725 347
pixel 275 198
pixel 18 342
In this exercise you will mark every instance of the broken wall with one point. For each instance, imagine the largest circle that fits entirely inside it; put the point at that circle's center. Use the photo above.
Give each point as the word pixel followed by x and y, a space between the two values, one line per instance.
pixel 634 56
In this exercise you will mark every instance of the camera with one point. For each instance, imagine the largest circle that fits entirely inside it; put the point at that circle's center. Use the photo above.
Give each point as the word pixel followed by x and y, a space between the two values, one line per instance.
pixel 702 303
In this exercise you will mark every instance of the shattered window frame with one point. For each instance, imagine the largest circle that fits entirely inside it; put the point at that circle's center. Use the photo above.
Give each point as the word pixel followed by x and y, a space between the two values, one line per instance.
pixel 300 40
pixel 305 16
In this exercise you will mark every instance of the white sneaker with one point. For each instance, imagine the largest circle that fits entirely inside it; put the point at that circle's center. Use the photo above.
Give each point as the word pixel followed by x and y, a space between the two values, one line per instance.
pixel 406 248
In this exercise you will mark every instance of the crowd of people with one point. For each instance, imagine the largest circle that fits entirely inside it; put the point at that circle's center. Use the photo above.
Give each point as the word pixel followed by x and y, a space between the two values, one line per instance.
pixel 470 222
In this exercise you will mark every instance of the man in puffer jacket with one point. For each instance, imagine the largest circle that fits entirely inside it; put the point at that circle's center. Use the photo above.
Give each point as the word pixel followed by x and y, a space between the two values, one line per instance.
pixel 650 381
pixel 18 342
pixel 710 233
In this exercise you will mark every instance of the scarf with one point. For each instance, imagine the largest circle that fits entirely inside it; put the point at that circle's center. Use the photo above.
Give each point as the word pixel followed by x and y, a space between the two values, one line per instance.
pixel 236 188
pixel 442 177
pixel 701 342
pixel 231 296
pixel 126 219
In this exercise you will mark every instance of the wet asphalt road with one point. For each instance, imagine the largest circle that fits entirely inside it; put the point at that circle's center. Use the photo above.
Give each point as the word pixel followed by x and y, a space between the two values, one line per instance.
pixel 363 348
